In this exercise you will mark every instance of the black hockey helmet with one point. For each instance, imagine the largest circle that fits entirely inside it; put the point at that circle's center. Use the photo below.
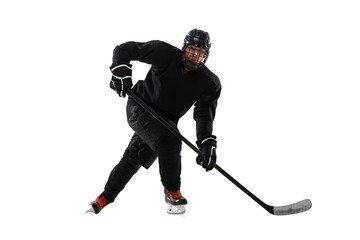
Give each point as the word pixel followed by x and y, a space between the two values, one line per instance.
pixel 197 38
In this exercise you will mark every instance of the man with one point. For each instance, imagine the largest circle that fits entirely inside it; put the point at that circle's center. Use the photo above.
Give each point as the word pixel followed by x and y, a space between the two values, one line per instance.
pixel 177 80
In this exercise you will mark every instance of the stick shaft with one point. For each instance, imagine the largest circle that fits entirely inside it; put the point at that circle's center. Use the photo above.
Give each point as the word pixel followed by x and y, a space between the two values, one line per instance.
pixel 268 208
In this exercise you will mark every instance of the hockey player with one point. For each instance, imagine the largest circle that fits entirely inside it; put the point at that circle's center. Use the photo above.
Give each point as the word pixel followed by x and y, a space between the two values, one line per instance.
pixel 177 79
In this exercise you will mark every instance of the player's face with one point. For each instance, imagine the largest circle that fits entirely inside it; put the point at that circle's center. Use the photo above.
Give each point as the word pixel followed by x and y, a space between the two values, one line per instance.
pixel 194 54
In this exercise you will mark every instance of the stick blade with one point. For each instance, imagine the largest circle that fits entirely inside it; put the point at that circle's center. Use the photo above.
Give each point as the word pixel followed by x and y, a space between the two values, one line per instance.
pixel 294 208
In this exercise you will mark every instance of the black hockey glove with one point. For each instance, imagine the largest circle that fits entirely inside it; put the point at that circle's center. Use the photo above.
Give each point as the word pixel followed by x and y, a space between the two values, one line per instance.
pixel 121 80
pixel 208 148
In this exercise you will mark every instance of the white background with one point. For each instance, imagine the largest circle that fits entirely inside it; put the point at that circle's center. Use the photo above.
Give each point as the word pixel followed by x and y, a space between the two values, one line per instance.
pixel 287 121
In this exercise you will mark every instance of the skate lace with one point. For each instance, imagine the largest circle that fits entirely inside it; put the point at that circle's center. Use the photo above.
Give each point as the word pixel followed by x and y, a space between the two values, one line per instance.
pixel 175 194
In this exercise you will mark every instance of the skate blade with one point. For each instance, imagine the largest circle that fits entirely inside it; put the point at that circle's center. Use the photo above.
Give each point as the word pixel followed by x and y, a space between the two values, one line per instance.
pixel 90 210
pixel 175 209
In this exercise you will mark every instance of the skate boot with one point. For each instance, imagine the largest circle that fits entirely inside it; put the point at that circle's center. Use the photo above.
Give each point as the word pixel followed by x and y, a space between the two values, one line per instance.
pixel 175 202
pixel 97 205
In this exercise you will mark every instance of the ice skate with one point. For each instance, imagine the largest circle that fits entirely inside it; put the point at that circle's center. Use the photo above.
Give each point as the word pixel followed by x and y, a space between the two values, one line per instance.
pixel 97 205
pixel 175 202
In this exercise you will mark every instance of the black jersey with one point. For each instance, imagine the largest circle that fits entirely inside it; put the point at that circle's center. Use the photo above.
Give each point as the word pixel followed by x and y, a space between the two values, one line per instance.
pixel 168 87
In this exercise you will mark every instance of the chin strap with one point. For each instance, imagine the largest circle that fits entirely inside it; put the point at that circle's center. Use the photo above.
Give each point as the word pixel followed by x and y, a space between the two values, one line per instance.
pixel 191 65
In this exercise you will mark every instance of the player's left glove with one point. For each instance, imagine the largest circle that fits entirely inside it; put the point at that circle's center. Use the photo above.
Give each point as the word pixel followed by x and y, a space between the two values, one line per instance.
pixel 208 148
pixel 121 80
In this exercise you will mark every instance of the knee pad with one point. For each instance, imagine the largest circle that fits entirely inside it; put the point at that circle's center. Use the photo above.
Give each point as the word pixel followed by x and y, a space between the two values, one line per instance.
pixel 131 161
pixel 140 153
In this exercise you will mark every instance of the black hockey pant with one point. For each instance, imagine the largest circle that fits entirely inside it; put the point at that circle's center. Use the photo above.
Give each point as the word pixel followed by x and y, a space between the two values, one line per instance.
pixel 150 141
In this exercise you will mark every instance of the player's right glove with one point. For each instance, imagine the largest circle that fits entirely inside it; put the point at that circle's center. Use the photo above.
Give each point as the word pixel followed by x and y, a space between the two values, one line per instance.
pixel 121 80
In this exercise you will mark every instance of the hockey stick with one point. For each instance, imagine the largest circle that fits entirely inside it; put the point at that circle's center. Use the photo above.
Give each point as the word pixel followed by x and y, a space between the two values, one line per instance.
pixel 298 207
